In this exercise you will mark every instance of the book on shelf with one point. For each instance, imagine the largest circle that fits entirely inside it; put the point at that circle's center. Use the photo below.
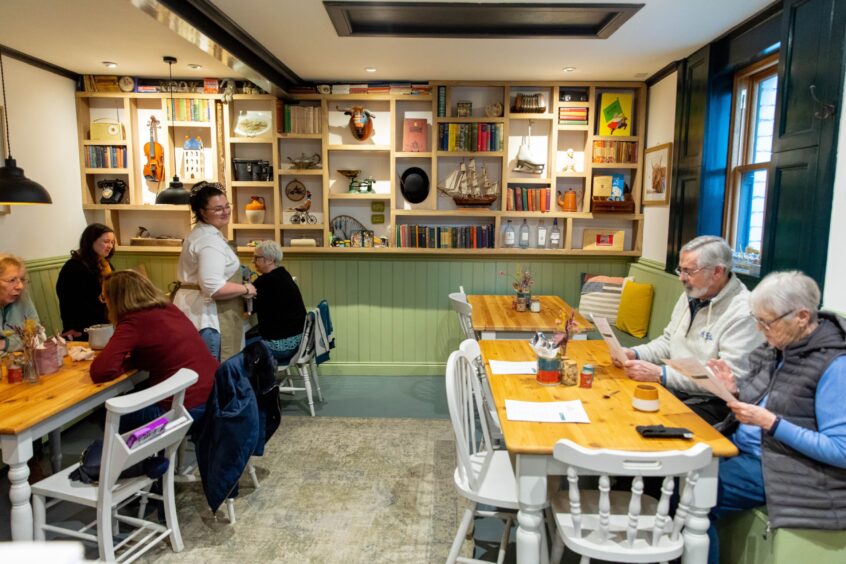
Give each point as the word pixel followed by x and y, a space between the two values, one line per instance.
pixel 606 151
pixel 415 133
pixel 441 101
pixel 445 236
pixel 188 109
pixel 298 118
pixel 470 137
pixel 105 156
pixel 532 198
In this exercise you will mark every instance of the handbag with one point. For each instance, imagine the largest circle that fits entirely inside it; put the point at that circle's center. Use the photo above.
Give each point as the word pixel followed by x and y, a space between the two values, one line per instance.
pixel 89 466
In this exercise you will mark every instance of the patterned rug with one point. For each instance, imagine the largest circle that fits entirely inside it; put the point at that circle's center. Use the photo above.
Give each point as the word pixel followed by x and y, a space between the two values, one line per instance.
pixel 345 490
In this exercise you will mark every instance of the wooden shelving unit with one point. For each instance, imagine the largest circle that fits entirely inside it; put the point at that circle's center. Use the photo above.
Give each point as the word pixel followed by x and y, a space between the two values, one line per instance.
pixel 381 157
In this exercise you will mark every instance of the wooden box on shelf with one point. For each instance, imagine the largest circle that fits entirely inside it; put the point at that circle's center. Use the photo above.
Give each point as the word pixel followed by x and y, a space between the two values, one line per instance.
pixel 601 204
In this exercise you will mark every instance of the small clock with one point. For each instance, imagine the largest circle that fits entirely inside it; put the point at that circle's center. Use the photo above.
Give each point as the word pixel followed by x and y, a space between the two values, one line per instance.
pixel 126 84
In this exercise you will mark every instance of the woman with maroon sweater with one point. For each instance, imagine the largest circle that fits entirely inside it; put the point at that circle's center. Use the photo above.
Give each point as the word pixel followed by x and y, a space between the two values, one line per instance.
pixel 151 334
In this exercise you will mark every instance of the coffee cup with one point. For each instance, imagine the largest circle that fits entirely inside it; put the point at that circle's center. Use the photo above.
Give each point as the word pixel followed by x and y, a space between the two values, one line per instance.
pixel 645 398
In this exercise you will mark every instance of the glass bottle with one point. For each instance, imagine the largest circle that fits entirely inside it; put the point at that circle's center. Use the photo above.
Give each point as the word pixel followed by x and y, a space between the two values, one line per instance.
pixel 509 237
pixel 555 235
pixel 540 240
pixel 524 235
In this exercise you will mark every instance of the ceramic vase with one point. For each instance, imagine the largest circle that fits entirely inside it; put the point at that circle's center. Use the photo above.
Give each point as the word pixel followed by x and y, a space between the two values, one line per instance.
pixel 255 210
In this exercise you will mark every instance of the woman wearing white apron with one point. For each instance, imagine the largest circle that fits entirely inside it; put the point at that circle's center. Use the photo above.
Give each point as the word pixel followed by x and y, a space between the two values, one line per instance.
pixel 209 291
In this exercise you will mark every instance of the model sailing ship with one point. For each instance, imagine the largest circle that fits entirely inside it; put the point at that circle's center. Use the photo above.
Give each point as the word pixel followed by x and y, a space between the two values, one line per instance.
pixel 469 188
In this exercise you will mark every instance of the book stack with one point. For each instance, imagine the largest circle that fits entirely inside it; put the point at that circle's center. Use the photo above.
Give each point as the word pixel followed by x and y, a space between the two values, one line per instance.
pixel 340 89
pixel 105 156
pixel 358 89
pixel 529 198
pixel 470 137
pixel 441 101
pixel 572 116
pixel 188 109
pixel 421 88
pixel 615 152
pixel 379 88
pixel 399 88
pixel 300 119
pixel 445 236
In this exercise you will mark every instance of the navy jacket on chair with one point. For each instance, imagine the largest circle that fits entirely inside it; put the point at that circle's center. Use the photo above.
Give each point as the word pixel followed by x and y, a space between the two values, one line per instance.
pixel 236 423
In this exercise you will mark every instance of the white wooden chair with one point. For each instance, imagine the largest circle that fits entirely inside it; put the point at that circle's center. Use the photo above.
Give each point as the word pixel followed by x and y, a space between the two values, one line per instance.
pixel 459 303
pixel 624 526
pixel 304 362
pixel 471 348
pixel 483 475
pixel 111 493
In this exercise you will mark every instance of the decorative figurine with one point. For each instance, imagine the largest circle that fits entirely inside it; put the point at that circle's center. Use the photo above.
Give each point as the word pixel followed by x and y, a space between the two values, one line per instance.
pixel 301 214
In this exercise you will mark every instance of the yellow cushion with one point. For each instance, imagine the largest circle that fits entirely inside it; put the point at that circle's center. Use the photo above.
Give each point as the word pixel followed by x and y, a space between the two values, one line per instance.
pixel 635 307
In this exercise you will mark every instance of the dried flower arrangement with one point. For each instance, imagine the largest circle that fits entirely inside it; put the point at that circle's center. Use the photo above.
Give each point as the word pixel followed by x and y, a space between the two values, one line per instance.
pixel 523 280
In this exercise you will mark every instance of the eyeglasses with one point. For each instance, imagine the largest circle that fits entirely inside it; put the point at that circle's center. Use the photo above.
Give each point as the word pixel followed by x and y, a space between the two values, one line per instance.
pixel 688 273
pixel 14 281
pixel 257 258
pixel 219 209
pixel 768 325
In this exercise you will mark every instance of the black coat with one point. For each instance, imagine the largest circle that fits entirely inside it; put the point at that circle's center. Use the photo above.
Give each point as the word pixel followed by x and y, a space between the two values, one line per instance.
pixel 79 288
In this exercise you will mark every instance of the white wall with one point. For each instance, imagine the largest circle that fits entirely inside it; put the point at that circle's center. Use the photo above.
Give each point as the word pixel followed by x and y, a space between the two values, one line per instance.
pixel 660 125
pixel 834 297
pixel 42 127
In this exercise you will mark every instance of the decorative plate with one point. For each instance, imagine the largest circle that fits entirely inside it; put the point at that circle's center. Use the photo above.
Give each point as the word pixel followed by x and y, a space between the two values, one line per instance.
pixel 295 190
pixel 252 123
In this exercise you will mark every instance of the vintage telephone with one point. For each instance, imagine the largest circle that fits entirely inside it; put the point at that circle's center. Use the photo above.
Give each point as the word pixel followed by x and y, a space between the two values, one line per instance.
pixel 113 190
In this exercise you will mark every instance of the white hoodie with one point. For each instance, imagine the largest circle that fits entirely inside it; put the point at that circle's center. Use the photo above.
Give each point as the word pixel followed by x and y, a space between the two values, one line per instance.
pixel 723 329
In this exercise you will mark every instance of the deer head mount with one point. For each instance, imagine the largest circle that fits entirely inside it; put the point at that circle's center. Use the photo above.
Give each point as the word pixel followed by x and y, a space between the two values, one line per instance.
pixel 361 121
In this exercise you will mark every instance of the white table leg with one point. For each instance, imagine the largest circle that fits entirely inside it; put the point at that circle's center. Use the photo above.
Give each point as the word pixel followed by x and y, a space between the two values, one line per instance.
pixel 17 450
pixel 696 531
pixel 488 335
pixel 531 494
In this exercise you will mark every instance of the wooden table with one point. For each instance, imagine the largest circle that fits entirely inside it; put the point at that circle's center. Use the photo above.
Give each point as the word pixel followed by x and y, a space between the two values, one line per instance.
pixel 612 426
pixel 30 411
pixel 495 318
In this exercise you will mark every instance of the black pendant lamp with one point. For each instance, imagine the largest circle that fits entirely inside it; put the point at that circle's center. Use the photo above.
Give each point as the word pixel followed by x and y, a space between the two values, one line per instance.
pixel 15 187
pixel 175 193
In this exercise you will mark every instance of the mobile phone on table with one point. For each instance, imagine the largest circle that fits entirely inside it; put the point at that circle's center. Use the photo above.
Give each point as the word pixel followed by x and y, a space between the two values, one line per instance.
pixel 661 432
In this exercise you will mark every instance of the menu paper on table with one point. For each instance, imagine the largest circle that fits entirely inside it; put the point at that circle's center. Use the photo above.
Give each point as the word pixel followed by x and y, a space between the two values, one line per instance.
pixel 508 367
pixel 546 411
pixel 614 346
pixel 701 375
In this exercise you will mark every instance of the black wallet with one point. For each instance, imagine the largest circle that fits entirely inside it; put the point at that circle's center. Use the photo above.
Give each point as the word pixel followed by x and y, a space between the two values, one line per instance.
pixel 661 432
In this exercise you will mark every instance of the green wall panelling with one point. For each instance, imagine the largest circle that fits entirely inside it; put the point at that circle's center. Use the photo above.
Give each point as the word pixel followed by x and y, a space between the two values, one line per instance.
pixel 667 287
pixel 391 314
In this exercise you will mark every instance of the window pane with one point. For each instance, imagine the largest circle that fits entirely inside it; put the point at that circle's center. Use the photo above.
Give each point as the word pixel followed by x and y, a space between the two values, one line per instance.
pixel 749 228
pixel 762 141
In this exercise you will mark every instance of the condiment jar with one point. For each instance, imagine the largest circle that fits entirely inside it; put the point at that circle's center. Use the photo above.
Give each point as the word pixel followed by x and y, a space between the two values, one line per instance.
pixel 586 377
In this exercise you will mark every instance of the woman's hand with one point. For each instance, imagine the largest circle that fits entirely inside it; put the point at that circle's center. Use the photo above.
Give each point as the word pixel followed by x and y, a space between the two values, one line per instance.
pixel 723 372
pixel 749 414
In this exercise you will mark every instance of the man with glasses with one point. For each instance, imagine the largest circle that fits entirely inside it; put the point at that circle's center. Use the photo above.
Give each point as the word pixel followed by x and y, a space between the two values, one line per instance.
pixel 710 320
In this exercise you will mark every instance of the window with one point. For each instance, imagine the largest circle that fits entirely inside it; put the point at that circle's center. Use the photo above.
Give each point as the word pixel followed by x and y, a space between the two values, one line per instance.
pixel 753 115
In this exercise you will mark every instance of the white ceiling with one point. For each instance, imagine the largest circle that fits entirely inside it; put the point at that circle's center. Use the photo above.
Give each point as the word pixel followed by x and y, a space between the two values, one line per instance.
pixel 78 35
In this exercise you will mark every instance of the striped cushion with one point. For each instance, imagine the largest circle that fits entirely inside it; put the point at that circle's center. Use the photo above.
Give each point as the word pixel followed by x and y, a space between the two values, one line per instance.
pixel 601 296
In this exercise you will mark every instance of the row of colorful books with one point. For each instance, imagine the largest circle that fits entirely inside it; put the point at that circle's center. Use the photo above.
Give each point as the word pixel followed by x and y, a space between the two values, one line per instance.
pixel 481 137
pixel 572 116
pixel 445 236
pixel 397 88
pixel 529 198
pixel 188 109
pixel 615 152
pixel 105 156
pixel 441 101
pixel 297 118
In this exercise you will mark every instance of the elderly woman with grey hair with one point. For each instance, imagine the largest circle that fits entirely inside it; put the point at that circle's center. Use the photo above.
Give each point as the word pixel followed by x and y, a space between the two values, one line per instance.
pixel 278 303
pixel 792 425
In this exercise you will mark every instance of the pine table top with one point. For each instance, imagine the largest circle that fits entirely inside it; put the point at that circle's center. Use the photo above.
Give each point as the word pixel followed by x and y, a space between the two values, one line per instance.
pixel 495 313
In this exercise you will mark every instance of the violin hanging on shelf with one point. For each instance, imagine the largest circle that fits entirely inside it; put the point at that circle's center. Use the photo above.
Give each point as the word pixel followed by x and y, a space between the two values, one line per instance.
pixel 154 168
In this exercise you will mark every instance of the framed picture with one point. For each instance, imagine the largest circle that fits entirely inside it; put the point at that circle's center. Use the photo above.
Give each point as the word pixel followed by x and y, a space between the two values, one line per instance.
pixel 464 109
pixel 658 175
pixel 615 113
